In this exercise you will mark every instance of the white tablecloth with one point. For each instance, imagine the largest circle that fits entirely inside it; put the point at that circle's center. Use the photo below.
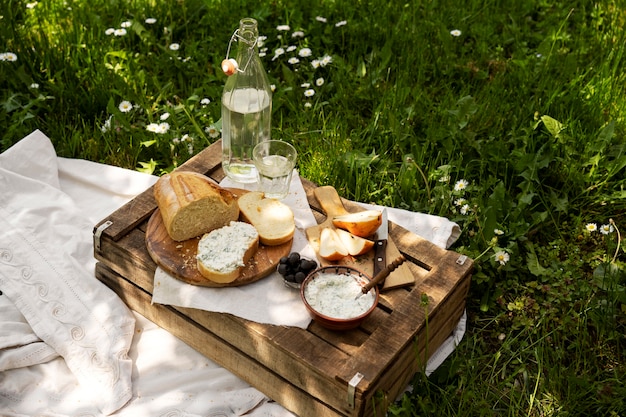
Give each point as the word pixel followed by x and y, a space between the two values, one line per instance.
pixel 68 345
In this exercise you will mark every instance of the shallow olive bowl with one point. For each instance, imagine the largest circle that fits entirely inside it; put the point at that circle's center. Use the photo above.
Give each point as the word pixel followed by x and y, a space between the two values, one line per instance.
pixel 333 323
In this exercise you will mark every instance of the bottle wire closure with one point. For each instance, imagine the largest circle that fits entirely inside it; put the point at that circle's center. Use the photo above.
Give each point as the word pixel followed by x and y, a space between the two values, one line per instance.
pixel 230 65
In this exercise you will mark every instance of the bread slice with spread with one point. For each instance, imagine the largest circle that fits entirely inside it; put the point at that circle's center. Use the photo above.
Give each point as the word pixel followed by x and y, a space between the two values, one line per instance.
pixel 224 252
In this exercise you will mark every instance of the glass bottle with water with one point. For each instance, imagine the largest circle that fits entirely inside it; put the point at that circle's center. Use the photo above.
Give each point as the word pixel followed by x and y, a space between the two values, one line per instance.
pixel 246 105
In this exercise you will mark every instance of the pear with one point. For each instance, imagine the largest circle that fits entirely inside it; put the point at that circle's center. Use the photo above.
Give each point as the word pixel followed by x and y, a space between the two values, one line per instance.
pixel 331 247
pixel 355 245
pixel 362 223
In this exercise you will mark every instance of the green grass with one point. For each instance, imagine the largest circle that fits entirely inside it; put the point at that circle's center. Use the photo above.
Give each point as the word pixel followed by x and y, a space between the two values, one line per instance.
pixel 527 105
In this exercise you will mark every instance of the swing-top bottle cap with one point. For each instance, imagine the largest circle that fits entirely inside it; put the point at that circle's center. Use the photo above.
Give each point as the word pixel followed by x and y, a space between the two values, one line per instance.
pixel 229 66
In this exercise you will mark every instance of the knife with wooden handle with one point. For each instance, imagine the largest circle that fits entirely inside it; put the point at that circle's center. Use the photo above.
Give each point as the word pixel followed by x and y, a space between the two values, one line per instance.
pixel 380 246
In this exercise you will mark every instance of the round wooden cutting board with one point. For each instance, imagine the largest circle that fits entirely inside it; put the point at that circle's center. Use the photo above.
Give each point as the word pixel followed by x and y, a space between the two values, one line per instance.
pixel 179 258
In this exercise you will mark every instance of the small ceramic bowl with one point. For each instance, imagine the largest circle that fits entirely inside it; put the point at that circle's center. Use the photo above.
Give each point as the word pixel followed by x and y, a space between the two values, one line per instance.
pixel 329 294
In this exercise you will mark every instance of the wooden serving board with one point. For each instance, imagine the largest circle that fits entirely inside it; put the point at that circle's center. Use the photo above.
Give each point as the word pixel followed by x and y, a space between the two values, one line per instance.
pixel 331 203
pixel 179 258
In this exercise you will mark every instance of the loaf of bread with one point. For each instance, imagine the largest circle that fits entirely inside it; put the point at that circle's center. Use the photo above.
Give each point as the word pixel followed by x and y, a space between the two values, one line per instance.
pixel 192 205
pixel 273 219
pixel 223 253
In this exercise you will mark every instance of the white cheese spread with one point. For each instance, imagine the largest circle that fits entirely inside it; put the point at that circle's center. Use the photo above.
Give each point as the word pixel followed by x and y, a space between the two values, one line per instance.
pixel 223 249
pixel 333 295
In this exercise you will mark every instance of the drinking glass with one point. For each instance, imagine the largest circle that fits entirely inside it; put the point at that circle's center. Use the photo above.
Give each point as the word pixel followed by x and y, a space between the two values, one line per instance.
pixel 274 161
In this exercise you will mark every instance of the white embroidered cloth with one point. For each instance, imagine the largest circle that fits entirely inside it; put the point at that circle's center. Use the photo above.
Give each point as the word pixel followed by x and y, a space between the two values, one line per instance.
pixel 68 345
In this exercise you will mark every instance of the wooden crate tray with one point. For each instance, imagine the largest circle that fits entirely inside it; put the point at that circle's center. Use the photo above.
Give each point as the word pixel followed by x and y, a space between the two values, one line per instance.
pixel 312 372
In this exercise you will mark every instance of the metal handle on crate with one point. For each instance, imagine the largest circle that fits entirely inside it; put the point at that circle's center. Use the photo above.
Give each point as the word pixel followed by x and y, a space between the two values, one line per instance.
pixel 352 388
pixel 98 233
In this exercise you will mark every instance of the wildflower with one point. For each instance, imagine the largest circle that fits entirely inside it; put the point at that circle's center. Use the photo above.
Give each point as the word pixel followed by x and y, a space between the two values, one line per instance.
pixel 278 52
pixel 152 127
pixel 164 116
pixel 341 23
pixel 163 127
pixel 186 138
pixel 120 32
pixel 465 209
pixel 321 19
pixel 326 59
pixel 31 5
pixel 190 148
pixel 307 104
pixel 283 28
pixel 109 31
pixel 125 106
pixel 460 201
pixel 444 178
pixel 126 24
pixel 460 185
pixel 107 125
pixel 305 85
pixel 273 87
pixel 262 53
pixel 212 131
pixel 455 32
pixel 150 21
pixel 205 101
pixel 498 232
pixel 297 34
pixel 319 82
pixel 501 336
pixel 174 47
pixel 34 86
pixel 315 63
pixel 8 56
pixel 304 52
pixel 502 257
pixel 293 60
pixel 591 227
pixel 605 229
pixel 175 141
pixel 309 93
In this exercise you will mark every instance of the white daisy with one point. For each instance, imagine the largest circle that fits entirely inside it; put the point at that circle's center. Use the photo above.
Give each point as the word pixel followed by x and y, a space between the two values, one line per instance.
pixel 305 52
pixel 460 185
pixel 591 227
pixel 212 131
pixel 502 257
pixel 125 106
pixel 605 229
